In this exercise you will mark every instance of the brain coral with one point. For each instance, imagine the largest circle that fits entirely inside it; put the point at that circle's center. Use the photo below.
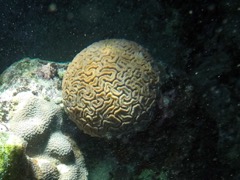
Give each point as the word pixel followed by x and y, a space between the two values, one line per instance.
pixel 44 168
pixel 33 119
pixel 59 147
pixel 110 88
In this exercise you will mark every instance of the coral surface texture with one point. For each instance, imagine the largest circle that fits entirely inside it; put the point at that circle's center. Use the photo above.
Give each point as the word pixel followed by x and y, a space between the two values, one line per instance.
pixel 31 109
pixel 110 88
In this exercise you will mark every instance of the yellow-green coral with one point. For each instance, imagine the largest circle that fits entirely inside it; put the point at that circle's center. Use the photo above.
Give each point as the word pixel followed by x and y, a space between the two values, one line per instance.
pixel 13 162
pixel 110 88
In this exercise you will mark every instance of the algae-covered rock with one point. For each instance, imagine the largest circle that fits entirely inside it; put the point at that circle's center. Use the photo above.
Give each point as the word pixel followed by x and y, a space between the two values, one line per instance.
pixel 13 161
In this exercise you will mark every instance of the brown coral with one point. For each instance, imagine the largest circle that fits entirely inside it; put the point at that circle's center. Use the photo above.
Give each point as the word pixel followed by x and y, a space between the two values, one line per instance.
pixel 110 88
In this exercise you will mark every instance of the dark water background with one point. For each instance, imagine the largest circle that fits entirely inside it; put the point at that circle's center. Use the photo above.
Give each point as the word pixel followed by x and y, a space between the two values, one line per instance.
pixel 57 30
pixel 174 32
pixel 198 38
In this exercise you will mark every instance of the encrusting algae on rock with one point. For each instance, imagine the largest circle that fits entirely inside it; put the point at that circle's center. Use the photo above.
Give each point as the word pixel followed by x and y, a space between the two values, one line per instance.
pixel 13 160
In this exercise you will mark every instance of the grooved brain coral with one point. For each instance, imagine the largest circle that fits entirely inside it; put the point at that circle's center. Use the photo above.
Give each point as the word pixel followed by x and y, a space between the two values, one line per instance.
pixel 110 88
